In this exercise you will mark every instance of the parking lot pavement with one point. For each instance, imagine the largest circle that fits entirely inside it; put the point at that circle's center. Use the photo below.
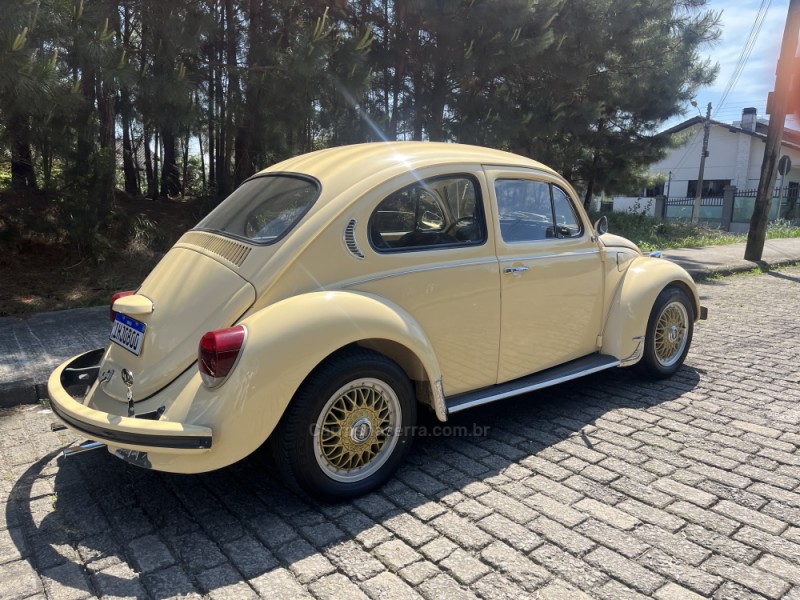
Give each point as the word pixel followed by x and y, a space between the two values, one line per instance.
pixel 608 487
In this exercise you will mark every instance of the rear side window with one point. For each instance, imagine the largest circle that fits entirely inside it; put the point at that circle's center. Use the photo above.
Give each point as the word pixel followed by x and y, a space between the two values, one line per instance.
pixel 263 209
pixel 438 212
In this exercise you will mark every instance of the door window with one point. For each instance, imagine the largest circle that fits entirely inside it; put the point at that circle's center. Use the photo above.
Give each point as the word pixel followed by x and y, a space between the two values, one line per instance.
pixel 534 210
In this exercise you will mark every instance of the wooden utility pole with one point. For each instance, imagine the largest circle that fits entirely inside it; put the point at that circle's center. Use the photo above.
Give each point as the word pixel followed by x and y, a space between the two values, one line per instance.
pixel 777 116
pixel 699 193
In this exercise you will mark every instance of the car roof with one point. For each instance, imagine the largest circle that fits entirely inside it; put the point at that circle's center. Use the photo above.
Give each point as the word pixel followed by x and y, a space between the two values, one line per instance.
pixel 338 168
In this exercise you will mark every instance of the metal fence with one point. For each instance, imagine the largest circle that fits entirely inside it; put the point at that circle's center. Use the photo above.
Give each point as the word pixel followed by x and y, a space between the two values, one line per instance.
pixel 680 209
pixel 745 200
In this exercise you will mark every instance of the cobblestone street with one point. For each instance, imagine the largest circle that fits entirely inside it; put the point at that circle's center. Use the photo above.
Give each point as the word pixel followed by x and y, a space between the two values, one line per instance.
pixel 607 487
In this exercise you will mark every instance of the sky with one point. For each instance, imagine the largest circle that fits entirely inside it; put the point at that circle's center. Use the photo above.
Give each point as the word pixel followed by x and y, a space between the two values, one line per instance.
pixel 757 78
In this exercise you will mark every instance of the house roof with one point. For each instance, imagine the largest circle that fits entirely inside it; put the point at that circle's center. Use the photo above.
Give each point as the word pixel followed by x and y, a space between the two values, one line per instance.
pixel 791 137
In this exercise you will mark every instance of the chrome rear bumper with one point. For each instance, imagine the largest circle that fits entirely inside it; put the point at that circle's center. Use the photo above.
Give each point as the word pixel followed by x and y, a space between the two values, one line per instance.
pixel 67 387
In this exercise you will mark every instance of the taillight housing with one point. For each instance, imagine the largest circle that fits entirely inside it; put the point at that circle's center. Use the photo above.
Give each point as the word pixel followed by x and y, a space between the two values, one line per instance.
pixel 218 352
pixel 116 297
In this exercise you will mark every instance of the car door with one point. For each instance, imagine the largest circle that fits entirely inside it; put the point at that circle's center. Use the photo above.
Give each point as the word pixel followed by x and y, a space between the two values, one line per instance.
pixel 550 270
pixel 431 243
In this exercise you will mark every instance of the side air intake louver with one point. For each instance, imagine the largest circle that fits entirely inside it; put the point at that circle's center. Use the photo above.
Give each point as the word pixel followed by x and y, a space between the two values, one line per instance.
pixel 350 239
pixel 233 252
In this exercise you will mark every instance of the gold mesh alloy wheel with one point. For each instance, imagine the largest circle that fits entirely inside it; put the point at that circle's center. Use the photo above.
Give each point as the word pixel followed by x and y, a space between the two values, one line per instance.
pixel 671 333
pixel 355 433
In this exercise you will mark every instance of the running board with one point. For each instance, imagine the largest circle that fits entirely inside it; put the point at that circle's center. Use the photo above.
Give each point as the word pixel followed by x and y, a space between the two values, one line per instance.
pixel 553 376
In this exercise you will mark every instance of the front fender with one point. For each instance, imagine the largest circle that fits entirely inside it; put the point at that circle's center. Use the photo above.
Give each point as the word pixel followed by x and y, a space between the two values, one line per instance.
pixel 634 298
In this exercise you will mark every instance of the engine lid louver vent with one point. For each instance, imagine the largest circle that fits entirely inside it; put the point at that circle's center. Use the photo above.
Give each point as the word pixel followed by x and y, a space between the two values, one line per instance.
pixel 230 250
pixel 350 239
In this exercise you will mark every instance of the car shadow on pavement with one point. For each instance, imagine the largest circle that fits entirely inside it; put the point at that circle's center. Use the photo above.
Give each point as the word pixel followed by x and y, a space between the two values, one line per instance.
pixel 115 529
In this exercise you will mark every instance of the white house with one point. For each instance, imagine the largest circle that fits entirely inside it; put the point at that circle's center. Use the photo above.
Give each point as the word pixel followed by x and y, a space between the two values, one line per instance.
pixel 735 153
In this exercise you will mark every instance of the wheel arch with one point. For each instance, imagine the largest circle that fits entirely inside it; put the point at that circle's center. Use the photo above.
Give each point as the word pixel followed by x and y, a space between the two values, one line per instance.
pixel 418 372
pixel 629 311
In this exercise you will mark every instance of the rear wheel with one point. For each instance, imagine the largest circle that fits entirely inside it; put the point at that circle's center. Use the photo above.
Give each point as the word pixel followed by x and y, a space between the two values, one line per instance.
pixel 669 334
pixel 347 428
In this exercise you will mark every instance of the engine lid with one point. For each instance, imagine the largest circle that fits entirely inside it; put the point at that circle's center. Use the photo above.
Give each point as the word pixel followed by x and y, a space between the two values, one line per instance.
pixel 186 295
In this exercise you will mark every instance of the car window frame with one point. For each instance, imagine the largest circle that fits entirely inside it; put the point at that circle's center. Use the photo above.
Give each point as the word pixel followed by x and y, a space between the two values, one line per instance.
pixel 575 213
pixel 289 229
pixel 480 212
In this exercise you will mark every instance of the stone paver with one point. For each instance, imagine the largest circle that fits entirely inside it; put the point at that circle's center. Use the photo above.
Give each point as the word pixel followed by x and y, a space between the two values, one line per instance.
pixel 611 487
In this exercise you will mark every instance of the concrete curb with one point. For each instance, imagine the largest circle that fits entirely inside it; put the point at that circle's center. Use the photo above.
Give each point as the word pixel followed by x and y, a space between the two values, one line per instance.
pixel 701 274
pixel 25 391
pixel 33 345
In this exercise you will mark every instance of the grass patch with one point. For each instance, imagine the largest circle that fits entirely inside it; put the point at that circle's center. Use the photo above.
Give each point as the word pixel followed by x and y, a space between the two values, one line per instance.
pixel 650 233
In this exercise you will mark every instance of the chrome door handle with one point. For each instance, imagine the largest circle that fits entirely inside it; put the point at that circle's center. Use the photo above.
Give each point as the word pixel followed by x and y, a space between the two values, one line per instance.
pixel 515 269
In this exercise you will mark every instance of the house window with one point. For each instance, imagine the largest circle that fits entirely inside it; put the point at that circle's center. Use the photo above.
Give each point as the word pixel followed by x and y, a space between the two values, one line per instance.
pixel 652 192
pixel 712 188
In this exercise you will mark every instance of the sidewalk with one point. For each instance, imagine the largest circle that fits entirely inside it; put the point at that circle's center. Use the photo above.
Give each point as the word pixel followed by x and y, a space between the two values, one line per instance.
pixel 31 346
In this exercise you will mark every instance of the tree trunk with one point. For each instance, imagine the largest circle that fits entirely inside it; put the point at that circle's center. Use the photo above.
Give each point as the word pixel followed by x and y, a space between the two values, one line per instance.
pixel 128 166
pixel 202 161
pixel 23 175
pixel 170 174
pixel 125 110
pixel 232 99
pixel 148 166
pixel 587 200
pixel 212 173
pixel 419 108
pixel 107 116
pixel 244 159
pixel 185 174
pixel 85 139
pixel 436 121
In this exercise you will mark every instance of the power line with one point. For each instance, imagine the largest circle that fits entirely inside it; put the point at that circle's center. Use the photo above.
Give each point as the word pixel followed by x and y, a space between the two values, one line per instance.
pixel 747 50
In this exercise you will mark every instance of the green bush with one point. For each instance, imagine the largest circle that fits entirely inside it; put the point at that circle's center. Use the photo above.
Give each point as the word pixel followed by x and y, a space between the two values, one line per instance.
pixel 650 233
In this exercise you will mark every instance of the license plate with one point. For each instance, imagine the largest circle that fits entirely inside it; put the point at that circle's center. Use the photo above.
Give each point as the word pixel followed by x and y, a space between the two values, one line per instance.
pixel 128 333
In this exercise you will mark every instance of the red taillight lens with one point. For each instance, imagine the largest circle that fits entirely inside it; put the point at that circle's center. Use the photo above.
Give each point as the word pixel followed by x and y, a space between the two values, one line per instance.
pixel 218 352
pixel 116 297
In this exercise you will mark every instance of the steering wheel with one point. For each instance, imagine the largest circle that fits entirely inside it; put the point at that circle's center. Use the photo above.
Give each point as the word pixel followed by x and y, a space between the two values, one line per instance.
pixel 468 220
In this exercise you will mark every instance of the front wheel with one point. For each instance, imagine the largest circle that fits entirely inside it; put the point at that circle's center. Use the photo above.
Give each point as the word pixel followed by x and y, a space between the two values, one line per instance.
pixel 348 427
pixel 669 334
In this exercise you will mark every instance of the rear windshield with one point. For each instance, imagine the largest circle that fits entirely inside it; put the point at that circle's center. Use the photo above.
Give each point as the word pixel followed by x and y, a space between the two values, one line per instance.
pixel 263 209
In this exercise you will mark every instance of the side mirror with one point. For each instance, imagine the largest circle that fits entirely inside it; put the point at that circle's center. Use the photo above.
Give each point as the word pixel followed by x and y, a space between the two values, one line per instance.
pixel 601 225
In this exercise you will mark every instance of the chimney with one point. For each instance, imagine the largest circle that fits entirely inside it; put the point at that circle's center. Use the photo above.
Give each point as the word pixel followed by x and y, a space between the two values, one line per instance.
pixel 749 119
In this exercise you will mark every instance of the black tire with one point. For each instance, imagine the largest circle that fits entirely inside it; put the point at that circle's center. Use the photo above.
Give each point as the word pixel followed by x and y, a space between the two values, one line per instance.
pixel 357 447
pixel 672 316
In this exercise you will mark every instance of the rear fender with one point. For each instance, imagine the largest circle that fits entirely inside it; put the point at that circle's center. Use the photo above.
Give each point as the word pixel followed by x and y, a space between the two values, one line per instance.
pixel 630 308
pixel 287 340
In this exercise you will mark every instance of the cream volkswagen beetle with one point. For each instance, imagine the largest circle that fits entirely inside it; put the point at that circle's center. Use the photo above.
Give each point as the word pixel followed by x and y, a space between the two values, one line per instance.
pixel 334 294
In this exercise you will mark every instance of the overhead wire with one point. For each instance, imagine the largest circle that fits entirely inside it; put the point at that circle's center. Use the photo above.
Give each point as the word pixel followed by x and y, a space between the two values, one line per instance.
pixel 747 50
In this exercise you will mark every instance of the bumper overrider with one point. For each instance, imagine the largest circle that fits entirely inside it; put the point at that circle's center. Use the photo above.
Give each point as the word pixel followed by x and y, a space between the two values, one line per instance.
pixel 138 434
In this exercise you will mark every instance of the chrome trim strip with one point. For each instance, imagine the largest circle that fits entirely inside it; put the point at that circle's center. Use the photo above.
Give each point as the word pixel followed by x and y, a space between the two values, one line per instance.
pixel 485 261
pixel 559 255
pixel 489 261
pixel 533 387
